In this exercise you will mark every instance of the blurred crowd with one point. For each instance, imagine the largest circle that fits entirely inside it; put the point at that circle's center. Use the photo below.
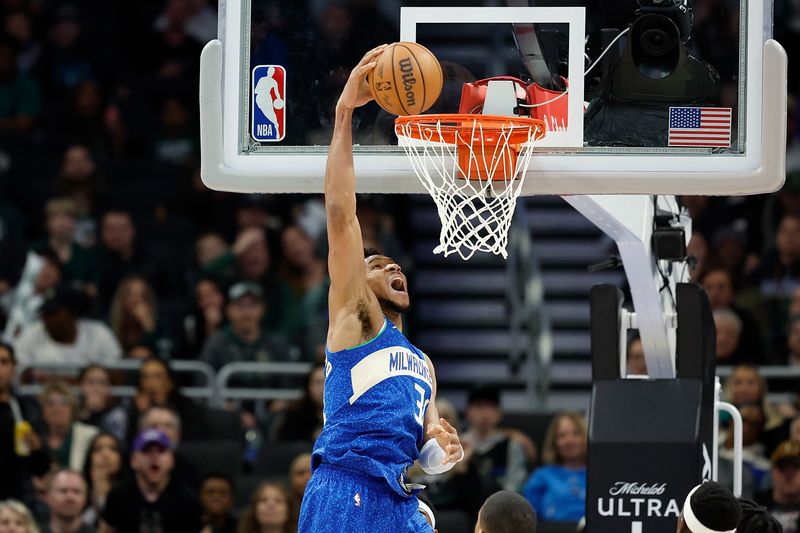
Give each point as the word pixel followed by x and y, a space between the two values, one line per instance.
pixel 112 249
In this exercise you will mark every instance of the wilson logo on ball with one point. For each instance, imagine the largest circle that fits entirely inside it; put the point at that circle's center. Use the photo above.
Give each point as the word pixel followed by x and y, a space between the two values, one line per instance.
pixel 409 80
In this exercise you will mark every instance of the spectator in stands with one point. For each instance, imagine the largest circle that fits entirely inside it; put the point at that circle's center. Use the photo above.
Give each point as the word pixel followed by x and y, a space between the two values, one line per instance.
pixel 168 421
pixel 153 500
pixel 209 247
pixel 249 260
pixel 299 474
pixel 19 96
pixel 506 512
pixel 783 500
pixel 16 518
pixel 18 459
pixel 753 456
pixel 303 419
pixel 557 490
pixel 175 141
pixel 23 306
pixel 62 336
pixel 270 509
pixel 306 275
pixel 778 274
pixel 216 497
pixel 81 182
pixel 158 388
pixel 205 320
pixel 745 385
pixel 497 455
pixel 134 317
pixel 718 285
pixel 19 26
pixel 729 331
pixel 793 342
pixel 244 338
pixel 119 256
pixel 636 363
pixel 697 248
pixel 98 408
pixel 78 264
pixel 67 498
pixel 66 439
pixel 103 470
pixel 461 489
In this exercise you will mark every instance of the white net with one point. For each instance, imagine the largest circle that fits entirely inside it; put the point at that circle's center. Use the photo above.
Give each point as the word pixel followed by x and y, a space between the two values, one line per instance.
pixel 474 168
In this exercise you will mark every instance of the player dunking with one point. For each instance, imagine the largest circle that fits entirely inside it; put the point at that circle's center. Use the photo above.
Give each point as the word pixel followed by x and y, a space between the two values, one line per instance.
pixel 379 388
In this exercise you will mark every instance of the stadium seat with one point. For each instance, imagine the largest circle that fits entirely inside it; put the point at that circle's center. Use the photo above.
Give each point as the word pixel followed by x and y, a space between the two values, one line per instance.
pixel 223 425
pixel 214 456
pixel 275 458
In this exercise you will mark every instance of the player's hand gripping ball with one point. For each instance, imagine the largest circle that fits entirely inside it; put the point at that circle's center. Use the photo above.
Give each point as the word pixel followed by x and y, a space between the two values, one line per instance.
pixel 407 79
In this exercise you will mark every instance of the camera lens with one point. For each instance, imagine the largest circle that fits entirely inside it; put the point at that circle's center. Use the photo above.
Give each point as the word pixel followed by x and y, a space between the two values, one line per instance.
pixel 655 42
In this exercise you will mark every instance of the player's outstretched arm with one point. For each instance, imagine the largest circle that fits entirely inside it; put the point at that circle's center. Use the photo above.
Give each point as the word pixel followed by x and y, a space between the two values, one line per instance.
pixel 350 301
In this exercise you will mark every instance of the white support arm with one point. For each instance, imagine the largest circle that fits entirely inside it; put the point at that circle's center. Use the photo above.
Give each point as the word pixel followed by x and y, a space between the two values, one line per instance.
pixel 629 221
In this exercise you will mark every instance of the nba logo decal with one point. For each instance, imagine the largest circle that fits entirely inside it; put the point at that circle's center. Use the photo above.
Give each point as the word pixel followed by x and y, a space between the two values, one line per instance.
pixel 269 112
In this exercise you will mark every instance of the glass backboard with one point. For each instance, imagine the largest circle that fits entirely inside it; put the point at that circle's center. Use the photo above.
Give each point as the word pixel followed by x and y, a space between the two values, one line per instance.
pixel 656 96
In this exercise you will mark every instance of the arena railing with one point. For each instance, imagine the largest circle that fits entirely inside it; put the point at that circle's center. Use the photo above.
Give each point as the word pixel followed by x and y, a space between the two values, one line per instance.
pixel 70 371
pixel 227 390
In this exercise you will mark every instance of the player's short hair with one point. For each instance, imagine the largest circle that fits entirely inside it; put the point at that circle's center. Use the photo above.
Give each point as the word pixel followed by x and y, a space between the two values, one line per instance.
pixel 714 507
pixel 369 252
pixel 756 519
pixel 507 512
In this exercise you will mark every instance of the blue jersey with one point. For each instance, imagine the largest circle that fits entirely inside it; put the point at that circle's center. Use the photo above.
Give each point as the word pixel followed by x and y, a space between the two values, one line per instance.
pixel 376 396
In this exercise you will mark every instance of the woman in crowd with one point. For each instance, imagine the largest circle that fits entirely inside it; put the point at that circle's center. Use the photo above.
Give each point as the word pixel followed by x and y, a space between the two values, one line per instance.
pixel 158 386
pixel 134 317
pixel 206 318
pixel 746 386
pixel 271 510
pixel 302 420
pixel 103 469
pixel 98 408
pixel 557 490
pixel 66 439
pixel 16 518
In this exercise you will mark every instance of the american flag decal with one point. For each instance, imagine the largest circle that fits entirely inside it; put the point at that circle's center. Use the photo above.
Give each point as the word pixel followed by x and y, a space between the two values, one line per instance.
pixel 700 126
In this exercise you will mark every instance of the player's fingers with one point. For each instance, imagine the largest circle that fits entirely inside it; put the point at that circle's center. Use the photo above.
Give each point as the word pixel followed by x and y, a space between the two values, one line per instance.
pixel 369 56
pixel 446 425
pixel 362 71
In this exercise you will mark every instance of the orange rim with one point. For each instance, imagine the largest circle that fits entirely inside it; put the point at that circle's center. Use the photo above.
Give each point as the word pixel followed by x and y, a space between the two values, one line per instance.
pixel 450 128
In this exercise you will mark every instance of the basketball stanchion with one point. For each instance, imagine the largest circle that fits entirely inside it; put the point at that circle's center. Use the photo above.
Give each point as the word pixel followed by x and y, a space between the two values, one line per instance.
pixel 474 168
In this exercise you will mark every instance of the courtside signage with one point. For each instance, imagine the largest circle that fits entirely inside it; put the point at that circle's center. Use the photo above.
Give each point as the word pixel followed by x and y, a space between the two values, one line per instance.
pixel 268 120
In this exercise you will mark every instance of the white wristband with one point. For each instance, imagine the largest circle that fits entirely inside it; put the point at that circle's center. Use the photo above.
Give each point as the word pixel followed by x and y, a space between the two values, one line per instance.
pixel 431 456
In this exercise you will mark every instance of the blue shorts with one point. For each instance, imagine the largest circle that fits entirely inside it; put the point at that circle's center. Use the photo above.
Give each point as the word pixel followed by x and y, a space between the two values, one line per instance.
pixel 338 500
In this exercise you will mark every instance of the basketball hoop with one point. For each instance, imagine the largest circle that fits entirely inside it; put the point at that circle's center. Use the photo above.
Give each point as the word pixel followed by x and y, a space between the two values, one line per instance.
pixel 474 168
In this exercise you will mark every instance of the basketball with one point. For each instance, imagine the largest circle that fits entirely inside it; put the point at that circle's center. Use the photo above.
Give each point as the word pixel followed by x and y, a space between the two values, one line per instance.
pixel 407 79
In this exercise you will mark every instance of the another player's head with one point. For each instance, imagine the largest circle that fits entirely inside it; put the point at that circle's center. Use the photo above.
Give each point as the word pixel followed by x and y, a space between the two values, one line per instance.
pixel 756 519
pixel 387 281
pixel 506 512
pixel 710 506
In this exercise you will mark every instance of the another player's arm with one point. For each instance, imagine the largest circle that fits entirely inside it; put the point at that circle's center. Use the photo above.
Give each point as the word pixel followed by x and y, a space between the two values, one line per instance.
pixel 442 436
pixel 352 305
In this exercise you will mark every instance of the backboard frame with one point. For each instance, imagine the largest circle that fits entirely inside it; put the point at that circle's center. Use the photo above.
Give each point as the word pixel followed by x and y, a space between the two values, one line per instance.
pixel 569 171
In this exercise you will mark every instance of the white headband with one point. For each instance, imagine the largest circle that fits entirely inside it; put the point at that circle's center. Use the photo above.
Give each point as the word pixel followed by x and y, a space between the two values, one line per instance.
pixel 424 509
pixel 694 525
